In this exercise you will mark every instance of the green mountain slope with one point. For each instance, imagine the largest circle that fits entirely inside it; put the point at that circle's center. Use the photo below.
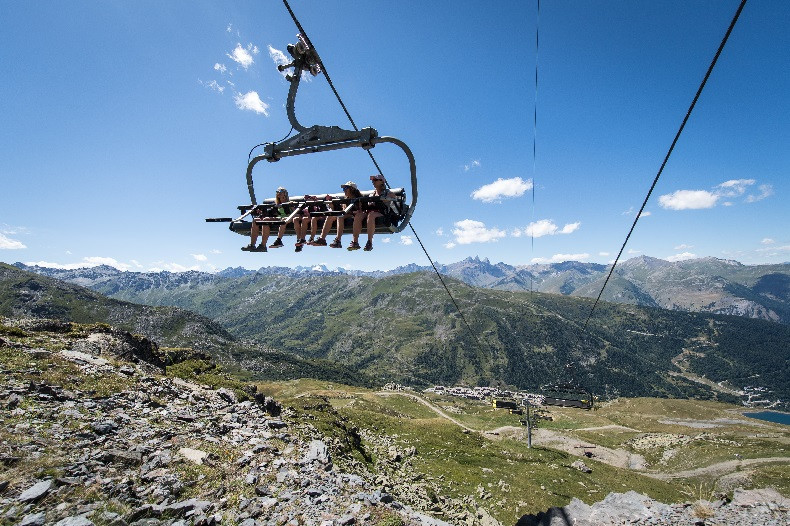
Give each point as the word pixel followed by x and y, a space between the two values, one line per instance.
pixel 24 294
pixel 404 328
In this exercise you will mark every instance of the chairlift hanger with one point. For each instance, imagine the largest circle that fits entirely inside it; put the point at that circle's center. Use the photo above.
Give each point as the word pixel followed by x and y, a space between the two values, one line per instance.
pixel 316 139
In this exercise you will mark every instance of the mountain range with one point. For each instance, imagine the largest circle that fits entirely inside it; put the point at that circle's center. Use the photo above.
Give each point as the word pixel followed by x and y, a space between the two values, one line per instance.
pixel 717 286
pixel 403 328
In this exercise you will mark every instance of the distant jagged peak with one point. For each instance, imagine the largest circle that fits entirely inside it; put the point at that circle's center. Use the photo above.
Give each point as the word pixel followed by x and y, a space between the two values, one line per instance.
pixel 645 262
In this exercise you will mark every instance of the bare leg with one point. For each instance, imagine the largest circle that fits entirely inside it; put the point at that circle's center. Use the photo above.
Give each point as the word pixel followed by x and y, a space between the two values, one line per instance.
pixel 372 224
pixel 328 222
pixel 265 231
pixel 357 228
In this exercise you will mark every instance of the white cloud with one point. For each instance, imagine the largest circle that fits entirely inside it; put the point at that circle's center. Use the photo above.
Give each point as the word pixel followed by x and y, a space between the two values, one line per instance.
pixel 406 240
pixel 570 228
pixel 222 68
pixel 440 231
pixel 683 247
pixel 502 188
pixel 547 227
pixel 767 241
pixel 603 254
pixel 88 262
pixel 471 231
pixel 243 56
pixel 386 239
pixel 136 263
pixel 720 194
pixel 229 28
pixel 681 257
pixel 516 233
pixel 252 102
pixel 278 56
pixel 646 213
pixel 633 251
pixel 6 243
pixel 199 257
pixel 449 245
pixel 472 164
pixel 559 258
pixel 628 212
pixel 215 251
pixel 212 85
pixel 766 190
pixel 688 200
pixel 785 248
pixel 171 267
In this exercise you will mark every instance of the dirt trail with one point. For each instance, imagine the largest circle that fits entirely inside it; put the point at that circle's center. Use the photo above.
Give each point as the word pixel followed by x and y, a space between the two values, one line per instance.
pixel 426 403
pixel 721 468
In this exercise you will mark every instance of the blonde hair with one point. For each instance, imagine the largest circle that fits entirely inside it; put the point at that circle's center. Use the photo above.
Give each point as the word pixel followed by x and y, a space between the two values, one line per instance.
pixel 277 197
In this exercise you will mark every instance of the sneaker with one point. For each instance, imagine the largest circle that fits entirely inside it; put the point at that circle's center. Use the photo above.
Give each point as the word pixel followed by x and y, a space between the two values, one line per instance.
pixel 249 248
pixel 336 244
pixel 320 242
pixel 368 246
pixel 311 240
pixel 261 248
pixel 354 246
pixel 298 248
pixel 277 243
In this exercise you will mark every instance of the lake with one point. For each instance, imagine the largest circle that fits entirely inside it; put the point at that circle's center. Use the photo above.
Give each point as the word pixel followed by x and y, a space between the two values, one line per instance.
pixel 771 416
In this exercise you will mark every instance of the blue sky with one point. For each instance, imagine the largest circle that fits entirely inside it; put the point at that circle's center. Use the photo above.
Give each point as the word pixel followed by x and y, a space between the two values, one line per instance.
pixel 125 124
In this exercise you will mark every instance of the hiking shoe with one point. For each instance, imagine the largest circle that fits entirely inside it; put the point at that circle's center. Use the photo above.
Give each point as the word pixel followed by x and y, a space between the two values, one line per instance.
pixel 354 246
pixel 249 248
pixel 320 242
pixel 311 241
pixel 298 248
pixel 277 243
pixel 368 246
pixel 261 248
pixel 336 244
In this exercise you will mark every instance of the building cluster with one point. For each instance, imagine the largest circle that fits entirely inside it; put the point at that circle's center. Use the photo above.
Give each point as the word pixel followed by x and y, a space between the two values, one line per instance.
pixel 485 393
pixel 757 397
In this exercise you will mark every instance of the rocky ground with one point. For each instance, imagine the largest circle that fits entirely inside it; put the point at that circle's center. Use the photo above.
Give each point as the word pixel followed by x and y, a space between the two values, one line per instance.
pixel 93 432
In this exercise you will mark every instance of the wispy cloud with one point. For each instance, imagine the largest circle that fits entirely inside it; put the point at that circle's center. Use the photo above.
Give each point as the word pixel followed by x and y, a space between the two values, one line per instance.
pixel 767 241
pixel 683 256
pixel 88 262
pixel 449 245
pixel 559 258
pixel 212 85
pixel 684 247
pixel 6 243
pixel 547 227
pixel 250 101
pixel 440 231
pixel 470 231
pixel 222 68
pixel 502 188
pixel 472 165
pixel 406 240
pixel 199 257
pixel 723 194
pixel 766 190
pixel 243 56
pixel 688 200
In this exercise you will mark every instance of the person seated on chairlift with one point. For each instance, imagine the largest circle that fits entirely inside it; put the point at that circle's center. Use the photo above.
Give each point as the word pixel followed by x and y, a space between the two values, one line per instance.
pixel 283 208
pixel 258 214
pixel 316 209
pixel 351 192
pixel 369 212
